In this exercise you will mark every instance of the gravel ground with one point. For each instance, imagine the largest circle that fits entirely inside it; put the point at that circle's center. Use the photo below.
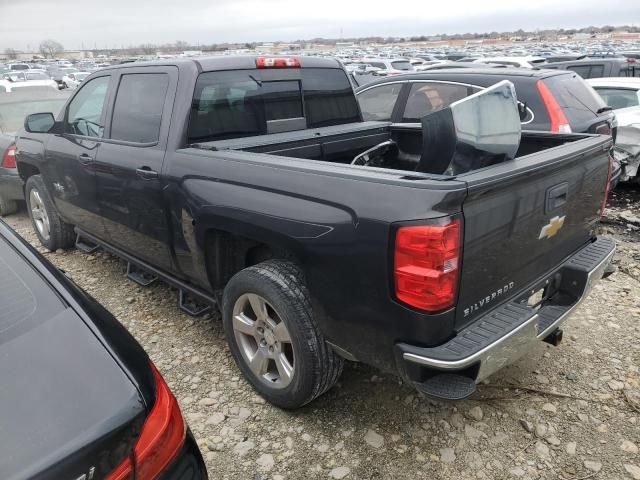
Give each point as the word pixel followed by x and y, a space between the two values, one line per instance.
pixel 567 412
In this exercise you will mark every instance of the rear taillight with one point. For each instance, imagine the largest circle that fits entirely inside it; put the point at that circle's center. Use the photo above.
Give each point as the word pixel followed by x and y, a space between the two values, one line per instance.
pixel 559 122
pixel 426 264
pixel 277 62
pixel 9 157
pixel 607 187
pixel 160 439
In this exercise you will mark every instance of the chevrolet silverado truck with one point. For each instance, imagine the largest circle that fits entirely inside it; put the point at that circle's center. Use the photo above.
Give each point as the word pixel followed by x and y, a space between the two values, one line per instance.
pixel 439 252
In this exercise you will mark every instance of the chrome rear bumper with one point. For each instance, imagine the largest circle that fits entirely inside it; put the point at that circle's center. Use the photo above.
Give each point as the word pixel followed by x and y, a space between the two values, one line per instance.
pixel 502 336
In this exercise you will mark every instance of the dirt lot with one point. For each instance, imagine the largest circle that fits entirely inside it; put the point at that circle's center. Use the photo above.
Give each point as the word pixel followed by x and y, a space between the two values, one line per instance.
pixel 568 412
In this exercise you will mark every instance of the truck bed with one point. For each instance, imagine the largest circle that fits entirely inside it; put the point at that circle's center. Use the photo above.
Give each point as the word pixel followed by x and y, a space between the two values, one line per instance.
pixel 340 144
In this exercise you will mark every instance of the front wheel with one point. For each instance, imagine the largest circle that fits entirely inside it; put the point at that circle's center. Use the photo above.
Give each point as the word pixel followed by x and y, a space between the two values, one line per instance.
pixel 273 338
pixel 51 230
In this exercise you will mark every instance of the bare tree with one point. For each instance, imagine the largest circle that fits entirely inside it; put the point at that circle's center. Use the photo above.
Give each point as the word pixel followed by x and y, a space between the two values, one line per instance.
pixel 148 48
pixel 50 48
pixel 11 53
pixel 181 45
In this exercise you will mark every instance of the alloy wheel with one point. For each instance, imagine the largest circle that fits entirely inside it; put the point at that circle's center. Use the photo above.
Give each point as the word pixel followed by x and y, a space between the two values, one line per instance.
pixel 264 340
pixel 39 214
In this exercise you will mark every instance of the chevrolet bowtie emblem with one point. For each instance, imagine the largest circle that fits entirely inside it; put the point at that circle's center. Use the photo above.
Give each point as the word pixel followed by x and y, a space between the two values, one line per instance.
pixel 550 229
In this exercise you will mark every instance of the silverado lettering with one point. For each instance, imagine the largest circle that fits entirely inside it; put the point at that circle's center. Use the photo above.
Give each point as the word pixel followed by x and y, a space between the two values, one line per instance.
pixel 488 299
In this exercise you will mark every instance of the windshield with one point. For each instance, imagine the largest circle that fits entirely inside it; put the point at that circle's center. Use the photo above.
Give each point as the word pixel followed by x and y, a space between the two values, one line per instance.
pixel 15 106
pixel 402 65
pixel 81 76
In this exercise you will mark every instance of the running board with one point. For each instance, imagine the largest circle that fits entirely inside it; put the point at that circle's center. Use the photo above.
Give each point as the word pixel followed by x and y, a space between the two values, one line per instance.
pixel 192 304
pixel 447 386
pixel 85 245
pixel 140 276
pixel 201 295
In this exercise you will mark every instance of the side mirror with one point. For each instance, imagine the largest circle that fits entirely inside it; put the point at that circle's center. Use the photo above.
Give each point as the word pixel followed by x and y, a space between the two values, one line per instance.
pixel 39 122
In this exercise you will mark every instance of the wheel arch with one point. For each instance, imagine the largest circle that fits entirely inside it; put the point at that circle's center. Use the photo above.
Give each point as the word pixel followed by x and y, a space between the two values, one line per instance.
pixel 26 170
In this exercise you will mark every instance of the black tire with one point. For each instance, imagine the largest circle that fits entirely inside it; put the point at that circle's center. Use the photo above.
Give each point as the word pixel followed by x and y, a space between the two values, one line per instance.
pixel 61 234
pixel 7 207
pixel 282 285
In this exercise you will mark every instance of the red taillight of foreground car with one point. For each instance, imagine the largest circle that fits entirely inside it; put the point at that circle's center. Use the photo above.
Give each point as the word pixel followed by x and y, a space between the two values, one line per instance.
pixel 9 157
pixel 426 264
pixel 160 439
pixel 607 187
pixel 559 122
pixel 277 62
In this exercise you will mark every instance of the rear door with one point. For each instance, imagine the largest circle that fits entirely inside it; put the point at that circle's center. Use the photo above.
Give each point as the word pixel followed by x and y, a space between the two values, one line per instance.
pixel 524 217
pixel 129 164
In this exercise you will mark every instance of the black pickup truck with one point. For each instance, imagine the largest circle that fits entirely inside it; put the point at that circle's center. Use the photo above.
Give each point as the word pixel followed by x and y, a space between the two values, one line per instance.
pixel 253 183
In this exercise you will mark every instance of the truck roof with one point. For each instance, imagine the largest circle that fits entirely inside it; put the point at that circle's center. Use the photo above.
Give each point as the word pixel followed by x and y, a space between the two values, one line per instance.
pixel 230 62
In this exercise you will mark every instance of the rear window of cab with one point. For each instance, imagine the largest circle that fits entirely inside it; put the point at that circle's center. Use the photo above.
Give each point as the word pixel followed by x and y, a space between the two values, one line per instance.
pixel 241 103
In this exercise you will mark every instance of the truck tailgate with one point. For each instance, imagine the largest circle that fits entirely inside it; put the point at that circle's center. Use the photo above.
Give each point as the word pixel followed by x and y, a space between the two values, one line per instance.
pixel 523 218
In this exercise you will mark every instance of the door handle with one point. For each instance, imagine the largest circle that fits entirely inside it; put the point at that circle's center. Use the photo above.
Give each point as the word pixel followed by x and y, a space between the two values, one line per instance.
pixel 85 158
pixel 146 173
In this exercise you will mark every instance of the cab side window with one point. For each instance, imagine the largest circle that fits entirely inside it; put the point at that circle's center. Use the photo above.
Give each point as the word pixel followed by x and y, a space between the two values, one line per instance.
pixel 85 115
pixel 377 103
pixel 137 113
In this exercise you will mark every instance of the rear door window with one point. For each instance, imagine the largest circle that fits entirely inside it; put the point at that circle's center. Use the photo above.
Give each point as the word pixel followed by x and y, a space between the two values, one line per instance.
pixel 377 102
pixel 597 71
pixel 427 97
pixel 578 100
pixel 582 70
pixel 137 112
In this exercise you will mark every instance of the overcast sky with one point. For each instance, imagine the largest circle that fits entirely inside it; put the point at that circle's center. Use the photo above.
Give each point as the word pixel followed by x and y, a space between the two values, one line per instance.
pixel 117 23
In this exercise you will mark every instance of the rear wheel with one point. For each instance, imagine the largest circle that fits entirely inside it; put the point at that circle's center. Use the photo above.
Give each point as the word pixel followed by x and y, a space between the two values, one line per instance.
pixel 7 207
pixel 269 325
pixel 51 230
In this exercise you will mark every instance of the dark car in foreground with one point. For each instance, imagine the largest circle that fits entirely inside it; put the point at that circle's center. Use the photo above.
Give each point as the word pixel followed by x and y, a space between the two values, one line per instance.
pixel 14 108
pixel 80 398
pixel 555 101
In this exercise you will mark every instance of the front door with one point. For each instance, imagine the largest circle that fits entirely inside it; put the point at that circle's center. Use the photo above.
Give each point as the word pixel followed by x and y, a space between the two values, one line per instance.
pixel 129 164
pixel 71 155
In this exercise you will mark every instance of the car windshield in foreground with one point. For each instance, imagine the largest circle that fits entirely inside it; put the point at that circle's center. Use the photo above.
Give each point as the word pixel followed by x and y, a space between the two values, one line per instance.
pixel 15 106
